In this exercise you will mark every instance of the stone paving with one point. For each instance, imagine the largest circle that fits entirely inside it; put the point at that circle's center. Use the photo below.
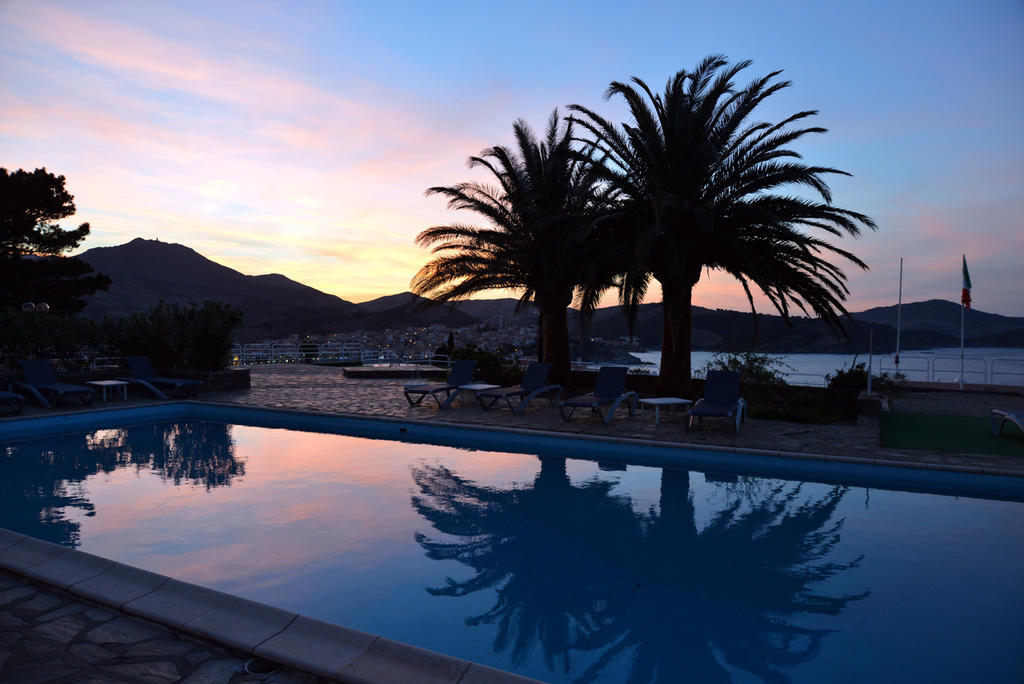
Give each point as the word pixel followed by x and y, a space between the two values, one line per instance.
pixel 49 636
pixel 324 388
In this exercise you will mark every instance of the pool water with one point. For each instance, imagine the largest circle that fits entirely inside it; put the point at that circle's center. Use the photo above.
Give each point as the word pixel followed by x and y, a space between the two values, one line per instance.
pixel 557 568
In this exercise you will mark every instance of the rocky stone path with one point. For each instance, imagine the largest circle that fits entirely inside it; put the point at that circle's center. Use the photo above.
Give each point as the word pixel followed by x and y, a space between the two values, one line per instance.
pixel 49 636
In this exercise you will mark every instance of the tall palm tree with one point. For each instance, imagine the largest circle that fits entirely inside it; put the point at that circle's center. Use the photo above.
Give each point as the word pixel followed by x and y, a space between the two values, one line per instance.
pixel 536 240
pixel 706 187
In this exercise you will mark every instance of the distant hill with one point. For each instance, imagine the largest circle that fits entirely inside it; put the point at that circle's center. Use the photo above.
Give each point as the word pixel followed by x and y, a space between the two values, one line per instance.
pixel 144 271
pixel 408 309
pixel 475 308
pixel 941 316
pixel 929 324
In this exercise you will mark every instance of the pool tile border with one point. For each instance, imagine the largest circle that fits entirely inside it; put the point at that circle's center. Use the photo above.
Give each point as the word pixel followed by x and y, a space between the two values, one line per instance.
pixel 258 629
pixel 180 409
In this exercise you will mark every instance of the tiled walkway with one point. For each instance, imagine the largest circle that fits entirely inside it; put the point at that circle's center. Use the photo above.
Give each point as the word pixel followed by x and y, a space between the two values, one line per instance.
pixel 49 636
pixel 317 388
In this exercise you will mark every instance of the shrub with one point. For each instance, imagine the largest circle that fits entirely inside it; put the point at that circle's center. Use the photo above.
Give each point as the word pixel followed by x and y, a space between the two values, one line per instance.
pixel 856 378
pixel 171 335
pixel 490 367
pixel 762 369
pixel 70 340
pixel 176 336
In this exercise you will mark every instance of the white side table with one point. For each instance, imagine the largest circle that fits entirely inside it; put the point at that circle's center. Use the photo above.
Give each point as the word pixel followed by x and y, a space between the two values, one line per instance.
pixel 658 402
pixel 104 385
pixel 478 387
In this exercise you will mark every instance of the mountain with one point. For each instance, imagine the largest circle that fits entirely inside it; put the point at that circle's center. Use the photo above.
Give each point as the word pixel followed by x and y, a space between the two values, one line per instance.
pixel 407 309
pixel 929 324
pixel 392 302
pixel 476 308
pixel 940 316
pixel 144 271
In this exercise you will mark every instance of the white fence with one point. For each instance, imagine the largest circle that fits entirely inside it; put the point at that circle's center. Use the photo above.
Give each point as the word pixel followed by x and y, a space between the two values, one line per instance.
pixel 931 368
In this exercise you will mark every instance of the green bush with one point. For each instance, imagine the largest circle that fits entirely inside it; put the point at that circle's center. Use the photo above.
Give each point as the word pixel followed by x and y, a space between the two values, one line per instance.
pixel 172 336
pixel 70 340
pixel 856 378
pixel 176 336
pixel 753 367
pixel 491 368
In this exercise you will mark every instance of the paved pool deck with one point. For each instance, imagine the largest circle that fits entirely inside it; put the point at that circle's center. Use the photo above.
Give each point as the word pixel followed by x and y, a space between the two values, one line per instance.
pixel 324 388
pixel 50 635
pixel 47 635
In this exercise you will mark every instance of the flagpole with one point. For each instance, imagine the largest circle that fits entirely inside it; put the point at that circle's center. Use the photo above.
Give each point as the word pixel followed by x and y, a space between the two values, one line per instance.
pixel 963 324
pixel 963 318
pixel 899 318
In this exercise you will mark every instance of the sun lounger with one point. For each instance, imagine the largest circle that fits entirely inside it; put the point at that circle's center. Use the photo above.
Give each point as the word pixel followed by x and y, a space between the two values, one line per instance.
pixel 609 390
pixel 143 375
pixel 534 383
pixel 12 400
pixel 42 384
pixel 1004 417
pixel 721 399
pixel 462 374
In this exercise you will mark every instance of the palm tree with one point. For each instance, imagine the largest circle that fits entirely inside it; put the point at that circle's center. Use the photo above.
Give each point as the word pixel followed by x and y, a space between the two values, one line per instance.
pixel 702 189
pixel 536 240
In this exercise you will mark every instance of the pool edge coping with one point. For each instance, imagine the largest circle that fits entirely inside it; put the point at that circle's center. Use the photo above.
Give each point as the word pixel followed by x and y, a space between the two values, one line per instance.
pixel 636 441
pixel 217 617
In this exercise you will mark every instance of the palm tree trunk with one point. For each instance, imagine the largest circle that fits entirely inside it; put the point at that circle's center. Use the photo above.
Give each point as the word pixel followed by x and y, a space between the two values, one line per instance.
pixel 677 318
pixel 555 322
pixel 540 337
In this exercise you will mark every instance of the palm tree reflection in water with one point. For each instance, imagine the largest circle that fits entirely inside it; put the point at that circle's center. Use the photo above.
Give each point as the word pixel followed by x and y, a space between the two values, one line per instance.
pixel 42 481
pixel 575 568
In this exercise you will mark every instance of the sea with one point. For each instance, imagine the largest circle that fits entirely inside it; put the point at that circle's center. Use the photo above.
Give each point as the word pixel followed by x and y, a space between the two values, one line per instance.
pixel 992 365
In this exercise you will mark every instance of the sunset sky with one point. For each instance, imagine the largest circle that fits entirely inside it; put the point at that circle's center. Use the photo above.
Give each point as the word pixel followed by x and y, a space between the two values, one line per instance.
pixel 298 138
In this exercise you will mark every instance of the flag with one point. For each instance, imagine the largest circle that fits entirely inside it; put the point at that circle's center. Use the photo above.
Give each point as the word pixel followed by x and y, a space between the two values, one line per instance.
pixel 965 296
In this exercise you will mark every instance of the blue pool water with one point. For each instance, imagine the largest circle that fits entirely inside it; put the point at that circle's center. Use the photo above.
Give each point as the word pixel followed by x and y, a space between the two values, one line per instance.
pixel 564 569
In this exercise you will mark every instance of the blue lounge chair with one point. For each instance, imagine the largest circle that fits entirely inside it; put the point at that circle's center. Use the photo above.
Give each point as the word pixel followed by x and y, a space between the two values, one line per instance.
pixel 721 399
pixel 534 382
pixel 42 384
pixel 1006 417
pixel 12 400
pixel 144 376
pixel 609 390
pixel 462 374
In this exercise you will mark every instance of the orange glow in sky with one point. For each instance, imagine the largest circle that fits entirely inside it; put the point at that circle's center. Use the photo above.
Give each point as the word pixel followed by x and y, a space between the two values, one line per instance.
pixel 300 138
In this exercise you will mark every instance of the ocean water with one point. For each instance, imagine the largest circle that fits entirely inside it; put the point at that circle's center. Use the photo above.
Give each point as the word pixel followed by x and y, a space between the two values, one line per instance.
pixel 552 567
pixel 1000 366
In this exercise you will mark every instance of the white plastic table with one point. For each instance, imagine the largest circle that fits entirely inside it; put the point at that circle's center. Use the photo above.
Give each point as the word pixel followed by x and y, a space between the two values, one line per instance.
pixel 478 387
pixel 658 402
pixel 104 385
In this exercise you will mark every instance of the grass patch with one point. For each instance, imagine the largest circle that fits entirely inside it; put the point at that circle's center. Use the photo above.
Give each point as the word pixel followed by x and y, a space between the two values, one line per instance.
pixel 948 434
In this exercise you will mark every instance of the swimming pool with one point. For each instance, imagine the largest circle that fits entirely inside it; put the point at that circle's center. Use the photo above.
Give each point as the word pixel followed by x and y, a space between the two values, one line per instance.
pixel 547 563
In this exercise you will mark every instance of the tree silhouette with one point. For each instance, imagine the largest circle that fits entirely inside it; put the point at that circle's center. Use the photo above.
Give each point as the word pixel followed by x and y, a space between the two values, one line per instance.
pixel 31 268
pixel 41 480
pixel 532 544
pixel 701 186
pixel 538 238
pixel 576 569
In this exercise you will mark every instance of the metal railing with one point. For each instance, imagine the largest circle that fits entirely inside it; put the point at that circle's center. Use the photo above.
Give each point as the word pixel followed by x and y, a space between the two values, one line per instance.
pixel 933 368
